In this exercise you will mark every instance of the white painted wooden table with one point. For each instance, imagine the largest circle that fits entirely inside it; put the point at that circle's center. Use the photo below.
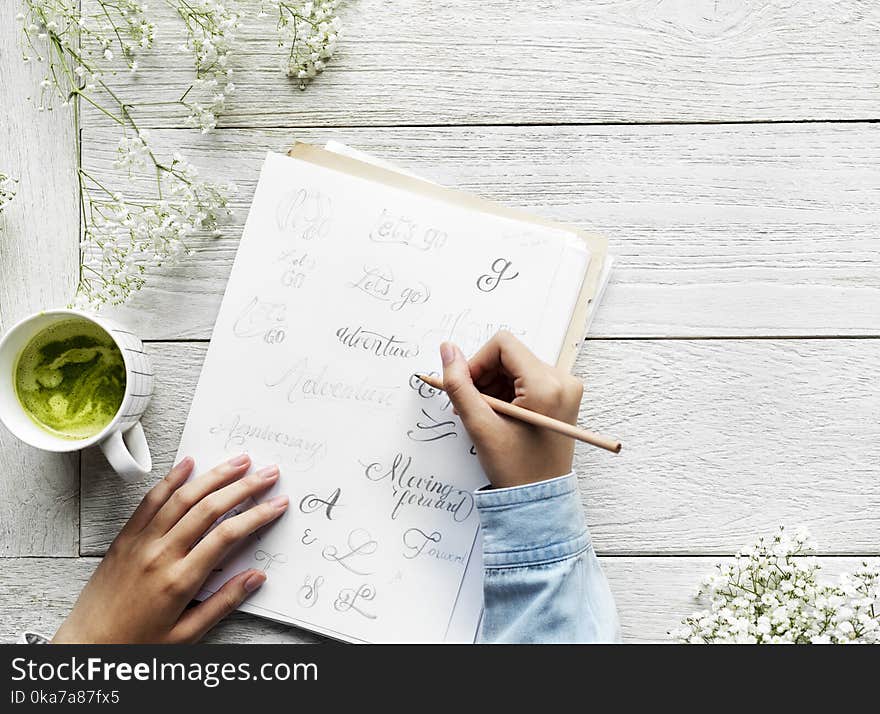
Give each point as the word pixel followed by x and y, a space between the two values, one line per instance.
pixel 729 150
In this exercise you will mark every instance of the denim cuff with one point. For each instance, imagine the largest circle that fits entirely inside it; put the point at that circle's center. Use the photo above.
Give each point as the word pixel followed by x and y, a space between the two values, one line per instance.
pixel 532 524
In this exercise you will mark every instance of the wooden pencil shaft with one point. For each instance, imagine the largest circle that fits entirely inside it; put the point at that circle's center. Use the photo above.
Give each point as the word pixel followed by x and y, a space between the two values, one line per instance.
pixel 541 420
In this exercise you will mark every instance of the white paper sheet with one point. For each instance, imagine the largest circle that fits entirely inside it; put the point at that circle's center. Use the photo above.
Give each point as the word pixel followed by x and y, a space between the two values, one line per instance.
pixel 469 606
pixel 340 291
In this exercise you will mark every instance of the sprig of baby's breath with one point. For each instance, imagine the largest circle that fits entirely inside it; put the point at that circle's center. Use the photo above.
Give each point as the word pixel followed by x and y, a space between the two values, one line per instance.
pixel 770 594
pixel 125 236
pixel 310 32
pixel 7 189
pixel 211 27
pixel 122 237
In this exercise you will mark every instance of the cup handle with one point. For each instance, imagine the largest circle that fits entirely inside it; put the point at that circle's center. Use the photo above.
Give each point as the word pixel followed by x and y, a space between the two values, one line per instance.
pixel 128 453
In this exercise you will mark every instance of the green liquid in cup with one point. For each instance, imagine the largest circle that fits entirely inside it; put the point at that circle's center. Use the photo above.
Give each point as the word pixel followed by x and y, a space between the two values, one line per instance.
pixel 70 379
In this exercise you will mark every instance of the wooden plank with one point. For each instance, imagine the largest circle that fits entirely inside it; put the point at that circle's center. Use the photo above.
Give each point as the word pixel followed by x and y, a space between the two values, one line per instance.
pixel 565 61
pixel 722 439
pixel 36 594
pixel 39 259
pixel 719 230
pixel 652 596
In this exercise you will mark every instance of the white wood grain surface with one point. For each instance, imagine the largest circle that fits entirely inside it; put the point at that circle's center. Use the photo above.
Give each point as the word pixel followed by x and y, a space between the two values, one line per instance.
pixel 39 257
pixel 723 440
pixel 728 221
pixel 718 230
pixel 554 61
pixel 652 596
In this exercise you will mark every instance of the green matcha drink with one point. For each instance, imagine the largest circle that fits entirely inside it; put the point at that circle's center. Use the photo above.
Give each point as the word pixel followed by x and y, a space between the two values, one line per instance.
pixel 70 379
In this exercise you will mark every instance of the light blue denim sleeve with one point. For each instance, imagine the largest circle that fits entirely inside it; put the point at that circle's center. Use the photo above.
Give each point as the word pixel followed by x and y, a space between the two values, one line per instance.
pixel 542 581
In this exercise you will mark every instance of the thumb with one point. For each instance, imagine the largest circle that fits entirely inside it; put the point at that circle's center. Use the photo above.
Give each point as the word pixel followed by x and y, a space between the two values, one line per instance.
pixel 460 389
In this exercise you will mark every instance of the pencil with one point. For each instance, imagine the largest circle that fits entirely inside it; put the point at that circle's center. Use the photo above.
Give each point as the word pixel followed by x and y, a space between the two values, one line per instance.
pixel 536 419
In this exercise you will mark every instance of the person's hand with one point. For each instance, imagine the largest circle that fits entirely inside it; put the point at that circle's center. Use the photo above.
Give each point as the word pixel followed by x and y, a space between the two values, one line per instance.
pixel 160 559
pixel 512 453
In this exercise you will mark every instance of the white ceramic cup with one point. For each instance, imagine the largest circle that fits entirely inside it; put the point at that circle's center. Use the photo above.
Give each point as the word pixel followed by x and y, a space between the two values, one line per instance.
pixel 122 440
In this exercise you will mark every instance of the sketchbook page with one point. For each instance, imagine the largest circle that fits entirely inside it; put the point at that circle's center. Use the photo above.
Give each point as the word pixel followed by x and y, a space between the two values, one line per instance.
pixel 342 289
pixel 468 610
pixel 568 290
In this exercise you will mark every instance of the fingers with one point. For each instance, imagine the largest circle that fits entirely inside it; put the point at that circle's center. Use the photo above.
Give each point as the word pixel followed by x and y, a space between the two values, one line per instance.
pixel 158 496
pixel 219 541
pixel 506 354
pixel 476 415
pixel 505 368
pixel 191 493
pixel 205 513
pixel 196 622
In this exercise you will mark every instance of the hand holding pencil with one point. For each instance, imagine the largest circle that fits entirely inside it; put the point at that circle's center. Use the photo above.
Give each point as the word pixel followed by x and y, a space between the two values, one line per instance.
pixel 511 451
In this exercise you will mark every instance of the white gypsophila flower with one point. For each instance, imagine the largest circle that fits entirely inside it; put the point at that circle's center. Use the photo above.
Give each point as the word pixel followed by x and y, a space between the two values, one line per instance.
pixel 77 45
pixel 312 30
pixel 7 189
pixel 770 594
pixel 121 238
pixel 211 28
pixel 125 238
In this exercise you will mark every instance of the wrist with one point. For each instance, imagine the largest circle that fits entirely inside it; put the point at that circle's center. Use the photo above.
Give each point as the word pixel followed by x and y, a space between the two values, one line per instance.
pixel 532 524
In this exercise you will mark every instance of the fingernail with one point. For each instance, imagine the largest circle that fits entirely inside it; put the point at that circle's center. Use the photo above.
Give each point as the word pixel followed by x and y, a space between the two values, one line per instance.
pixel 239 460
pixel 447 353
pixel 254 581
pixel 279 502
pixel 268 472
pixel 185 461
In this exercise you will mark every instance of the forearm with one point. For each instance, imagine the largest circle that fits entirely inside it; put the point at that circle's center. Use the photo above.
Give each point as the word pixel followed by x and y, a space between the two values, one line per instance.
pixel 542 580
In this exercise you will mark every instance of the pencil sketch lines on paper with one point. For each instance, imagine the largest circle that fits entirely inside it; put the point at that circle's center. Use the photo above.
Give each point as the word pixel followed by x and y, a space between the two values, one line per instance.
pixel 376 343
pixel 301 381
pixel 308 538
pixel 415 540
pixel 297 265
pixel 312 502
pixel 263 319
pixel 268 559
pixel 423 389
pixel 467 332
pixel 236 432
pixel 305 214
pixel 350 599
pixel 413 490
pixel 401 230
pixel 501 270
pixel 307 595
pixel 432 429
pixel 379 284
pixel 418 543
pixel 360 545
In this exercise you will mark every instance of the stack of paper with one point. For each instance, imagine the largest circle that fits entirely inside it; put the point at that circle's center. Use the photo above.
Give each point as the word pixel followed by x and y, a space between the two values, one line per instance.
pixel 348 276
